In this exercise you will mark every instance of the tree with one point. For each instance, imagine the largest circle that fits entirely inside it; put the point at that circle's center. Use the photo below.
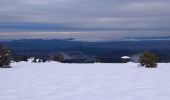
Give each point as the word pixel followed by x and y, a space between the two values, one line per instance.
pixel 4 57
pixel 148 60
pixel 59 58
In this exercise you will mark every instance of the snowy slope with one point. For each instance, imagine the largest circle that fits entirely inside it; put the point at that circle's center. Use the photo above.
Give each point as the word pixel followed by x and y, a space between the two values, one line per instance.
pixel 55 81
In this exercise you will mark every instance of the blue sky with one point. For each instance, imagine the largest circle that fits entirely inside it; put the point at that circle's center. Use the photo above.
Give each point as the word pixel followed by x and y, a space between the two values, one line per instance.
pixel 84 19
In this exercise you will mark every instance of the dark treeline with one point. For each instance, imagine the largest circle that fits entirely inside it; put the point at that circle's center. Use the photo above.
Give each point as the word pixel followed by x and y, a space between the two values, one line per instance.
pixel 87 52
pixel 146 59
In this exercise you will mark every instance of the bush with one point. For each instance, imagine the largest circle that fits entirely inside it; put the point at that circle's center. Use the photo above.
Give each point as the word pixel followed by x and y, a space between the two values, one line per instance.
pixel 24 58
pixel 59 58
pixel 18 58
pixel 4 57
pixel 148 60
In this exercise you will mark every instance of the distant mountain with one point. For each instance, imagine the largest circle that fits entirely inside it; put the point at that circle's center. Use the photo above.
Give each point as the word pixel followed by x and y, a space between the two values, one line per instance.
pixel 149 38
pixel 106 51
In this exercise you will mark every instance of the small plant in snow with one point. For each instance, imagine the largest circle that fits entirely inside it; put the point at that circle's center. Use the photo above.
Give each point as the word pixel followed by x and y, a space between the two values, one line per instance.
pixel 59 58
pixel 148 60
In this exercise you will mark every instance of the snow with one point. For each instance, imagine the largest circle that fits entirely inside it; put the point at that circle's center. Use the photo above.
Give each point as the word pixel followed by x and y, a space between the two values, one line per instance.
pixel 125 57
pixel 57 81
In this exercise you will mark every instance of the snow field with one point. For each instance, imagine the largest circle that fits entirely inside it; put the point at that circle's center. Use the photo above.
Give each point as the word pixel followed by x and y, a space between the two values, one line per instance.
pixel 56 81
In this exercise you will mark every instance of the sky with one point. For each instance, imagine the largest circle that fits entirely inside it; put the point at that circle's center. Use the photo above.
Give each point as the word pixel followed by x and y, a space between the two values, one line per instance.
pixel 84 19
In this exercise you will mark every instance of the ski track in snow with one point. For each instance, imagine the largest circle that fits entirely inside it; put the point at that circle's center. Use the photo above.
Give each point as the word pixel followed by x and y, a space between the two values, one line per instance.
pixel 56 81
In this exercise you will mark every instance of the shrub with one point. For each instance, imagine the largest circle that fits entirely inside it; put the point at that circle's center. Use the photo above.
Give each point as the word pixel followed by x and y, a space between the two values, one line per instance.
pixel 24 58
pixel 58 57
pixel 18 58
pixel 148 60
pixel 4 57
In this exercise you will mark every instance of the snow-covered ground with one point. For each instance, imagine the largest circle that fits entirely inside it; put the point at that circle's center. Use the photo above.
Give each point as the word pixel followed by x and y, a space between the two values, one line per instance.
pixel 55 81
